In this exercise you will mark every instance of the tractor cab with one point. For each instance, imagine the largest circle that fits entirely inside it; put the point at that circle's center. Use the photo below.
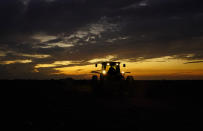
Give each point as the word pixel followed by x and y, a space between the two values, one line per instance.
pixel 111 71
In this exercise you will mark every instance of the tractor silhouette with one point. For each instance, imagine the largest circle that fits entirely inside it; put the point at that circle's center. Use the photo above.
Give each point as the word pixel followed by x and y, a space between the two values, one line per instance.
pixel 112 80
pixel 110 71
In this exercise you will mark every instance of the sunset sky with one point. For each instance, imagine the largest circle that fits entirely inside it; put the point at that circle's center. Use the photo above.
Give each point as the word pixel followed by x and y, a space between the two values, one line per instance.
pixel 156 39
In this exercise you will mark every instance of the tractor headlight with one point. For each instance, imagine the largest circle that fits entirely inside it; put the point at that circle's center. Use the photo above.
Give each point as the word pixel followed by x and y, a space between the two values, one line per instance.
pixel 108 64
pixel 122 72
pixel 103 72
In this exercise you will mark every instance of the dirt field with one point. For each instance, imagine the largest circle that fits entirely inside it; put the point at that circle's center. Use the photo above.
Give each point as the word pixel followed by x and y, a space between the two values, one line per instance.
pixel 66 104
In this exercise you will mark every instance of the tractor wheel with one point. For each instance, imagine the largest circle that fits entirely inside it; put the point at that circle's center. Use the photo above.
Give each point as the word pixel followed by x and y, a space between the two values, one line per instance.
pixel 129 79
pixel 94 78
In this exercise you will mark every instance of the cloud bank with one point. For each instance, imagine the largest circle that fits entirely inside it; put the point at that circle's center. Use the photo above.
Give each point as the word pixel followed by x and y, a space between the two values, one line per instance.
pixel 78 31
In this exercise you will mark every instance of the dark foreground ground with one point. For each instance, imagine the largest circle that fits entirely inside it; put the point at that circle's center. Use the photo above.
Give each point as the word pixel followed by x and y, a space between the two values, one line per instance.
pixel 68 104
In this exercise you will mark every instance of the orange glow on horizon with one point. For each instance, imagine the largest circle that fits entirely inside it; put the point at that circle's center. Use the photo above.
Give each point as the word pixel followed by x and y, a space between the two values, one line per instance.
pixel 163 68
pixel 156 68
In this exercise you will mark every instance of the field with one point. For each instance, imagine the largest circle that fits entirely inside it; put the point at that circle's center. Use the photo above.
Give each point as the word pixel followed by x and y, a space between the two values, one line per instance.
pixel 82 104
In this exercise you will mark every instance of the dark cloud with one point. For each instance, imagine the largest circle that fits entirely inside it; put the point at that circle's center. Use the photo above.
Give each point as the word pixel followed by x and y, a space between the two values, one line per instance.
pixel 129 29
pixel 194 62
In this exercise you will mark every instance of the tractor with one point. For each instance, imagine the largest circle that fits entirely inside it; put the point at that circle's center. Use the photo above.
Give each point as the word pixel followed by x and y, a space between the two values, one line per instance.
pixel 110 71
pixel 112 79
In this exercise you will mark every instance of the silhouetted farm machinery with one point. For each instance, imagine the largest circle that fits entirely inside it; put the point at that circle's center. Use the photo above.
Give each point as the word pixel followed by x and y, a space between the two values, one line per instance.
pixel 110 71
pixel 111 78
